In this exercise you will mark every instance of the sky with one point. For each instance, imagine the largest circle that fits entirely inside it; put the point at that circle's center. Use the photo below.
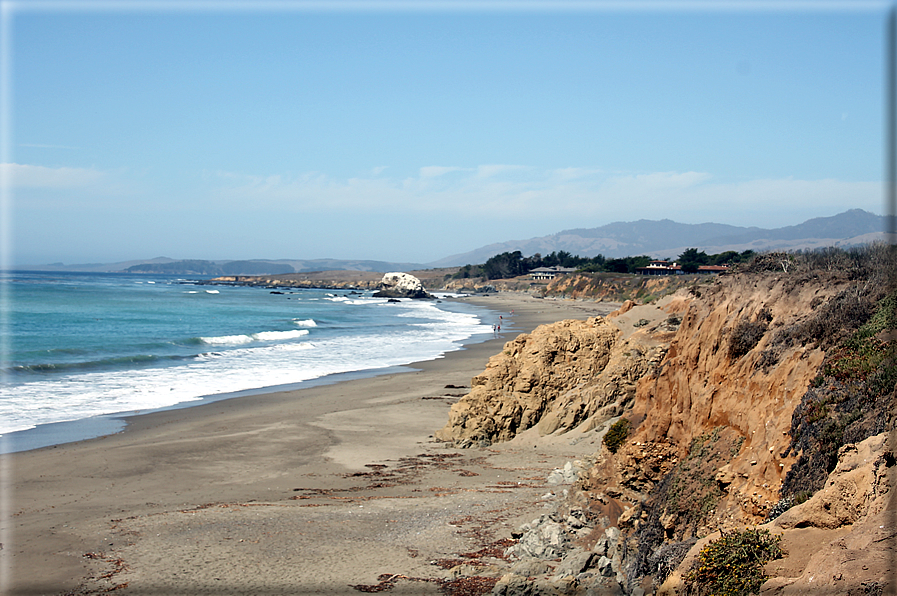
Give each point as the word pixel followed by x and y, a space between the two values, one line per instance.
pixel 412 131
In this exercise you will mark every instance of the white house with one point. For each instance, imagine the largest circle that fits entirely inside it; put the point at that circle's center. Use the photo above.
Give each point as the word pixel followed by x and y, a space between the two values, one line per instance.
pixel 543 273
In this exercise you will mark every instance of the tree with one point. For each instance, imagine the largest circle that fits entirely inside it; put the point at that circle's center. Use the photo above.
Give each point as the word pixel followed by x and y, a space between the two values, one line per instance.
pixel 617 265
pixel 507 264
pixel 692 255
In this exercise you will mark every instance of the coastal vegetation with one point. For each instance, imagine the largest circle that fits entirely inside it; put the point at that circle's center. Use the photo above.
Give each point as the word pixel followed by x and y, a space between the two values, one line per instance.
pixel 616 435
pixel 513 264
pixel 849 400
pixel 733 564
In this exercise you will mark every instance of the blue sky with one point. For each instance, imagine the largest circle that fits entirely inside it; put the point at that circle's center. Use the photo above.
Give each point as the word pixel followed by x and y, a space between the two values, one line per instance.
pixel 413 131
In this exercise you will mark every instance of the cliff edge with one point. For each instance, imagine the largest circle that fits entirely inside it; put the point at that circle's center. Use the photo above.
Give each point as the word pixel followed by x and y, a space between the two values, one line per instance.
pixel 567 375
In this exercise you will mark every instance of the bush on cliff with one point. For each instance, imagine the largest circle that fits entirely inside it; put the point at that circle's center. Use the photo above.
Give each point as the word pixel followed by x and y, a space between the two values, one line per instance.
pixel 616 435
pixel 733 565
pixel 746 334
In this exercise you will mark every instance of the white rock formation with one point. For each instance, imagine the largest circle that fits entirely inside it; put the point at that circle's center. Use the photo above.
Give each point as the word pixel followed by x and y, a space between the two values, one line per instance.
pixel 401 285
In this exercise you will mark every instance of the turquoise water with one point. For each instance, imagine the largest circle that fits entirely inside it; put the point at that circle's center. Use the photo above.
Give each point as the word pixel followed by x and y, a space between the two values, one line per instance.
pixel 83 345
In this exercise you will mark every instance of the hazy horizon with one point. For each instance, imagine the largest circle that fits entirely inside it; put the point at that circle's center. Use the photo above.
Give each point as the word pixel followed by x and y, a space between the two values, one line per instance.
pixel 500 246
pixel 408 132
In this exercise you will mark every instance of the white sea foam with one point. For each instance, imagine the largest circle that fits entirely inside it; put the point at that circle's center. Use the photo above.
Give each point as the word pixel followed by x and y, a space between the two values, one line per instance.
pixel 304 323
pixel 279 335
pixel 236 340
pixel 227 340
pixel 213 292
pixel 358 301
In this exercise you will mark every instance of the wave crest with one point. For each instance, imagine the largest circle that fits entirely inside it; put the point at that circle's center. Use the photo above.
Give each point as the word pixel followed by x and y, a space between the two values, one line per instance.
pixel 236 340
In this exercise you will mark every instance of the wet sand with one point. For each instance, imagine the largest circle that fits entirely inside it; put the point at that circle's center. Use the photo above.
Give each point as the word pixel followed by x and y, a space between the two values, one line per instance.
pixel 311 491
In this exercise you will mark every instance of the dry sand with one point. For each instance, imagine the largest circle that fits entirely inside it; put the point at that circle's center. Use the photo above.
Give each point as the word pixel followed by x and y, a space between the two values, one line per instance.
pixel 310 491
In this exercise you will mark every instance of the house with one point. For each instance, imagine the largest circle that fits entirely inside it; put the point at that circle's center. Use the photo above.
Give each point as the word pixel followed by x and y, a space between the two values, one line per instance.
pixel 667 268
pixel 660 268
pixel 543 273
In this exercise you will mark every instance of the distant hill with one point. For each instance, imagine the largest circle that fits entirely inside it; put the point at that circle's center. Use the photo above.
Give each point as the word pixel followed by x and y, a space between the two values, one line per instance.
pixel 199 267
pixel 662 239
pixel 194 267
pixel 666 238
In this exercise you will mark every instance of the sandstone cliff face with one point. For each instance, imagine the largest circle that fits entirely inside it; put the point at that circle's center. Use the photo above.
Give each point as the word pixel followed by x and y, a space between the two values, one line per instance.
pixel 712 378
pixel 607 287
pixel 853 521
pixel 841 540
pixel 712 445
pixel 615 287
pixel 559 377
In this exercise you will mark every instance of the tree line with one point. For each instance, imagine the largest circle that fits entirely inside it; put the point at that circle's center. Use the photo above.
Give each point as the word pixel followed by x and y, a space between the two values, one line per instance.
pixel 513 264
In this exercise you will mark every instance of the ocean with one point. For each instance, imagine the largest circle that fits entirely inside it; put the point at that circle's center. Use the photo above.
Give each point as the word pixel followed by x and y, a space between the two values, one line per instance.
pixel 83 346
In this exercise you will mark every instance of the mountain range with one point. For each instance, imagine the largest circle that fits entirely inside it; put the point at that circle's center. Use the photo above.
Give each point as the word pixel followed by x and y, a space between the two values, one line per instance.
pixel 659 239
pixel 668 239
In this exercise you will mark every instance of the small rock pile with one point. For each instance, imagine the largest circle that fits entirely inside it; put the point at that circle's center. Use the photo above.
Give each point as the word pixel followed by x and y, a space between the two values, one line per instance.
pixel 550 556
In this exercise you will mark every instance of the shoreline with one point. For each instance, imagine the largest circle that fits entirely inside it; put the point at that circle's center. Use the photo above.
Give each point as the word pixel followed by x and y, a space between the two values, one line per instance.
pixel 70 431
pixel 74 509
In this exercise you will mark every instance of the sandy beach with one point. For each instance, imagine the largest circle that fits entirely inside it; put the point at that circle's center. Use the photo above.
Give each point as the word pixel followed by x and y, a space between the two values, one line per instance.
pixel 311 491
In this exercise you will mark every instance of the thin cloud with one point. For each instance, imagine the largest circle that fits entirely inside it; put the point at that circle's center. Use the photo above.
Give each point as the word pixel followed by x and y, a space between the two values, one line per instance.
pixel 488 171
pixel 39 146
pixel 575 173
pixel 29 176
pixel 658 181
pixel 523 193
pixel 436 171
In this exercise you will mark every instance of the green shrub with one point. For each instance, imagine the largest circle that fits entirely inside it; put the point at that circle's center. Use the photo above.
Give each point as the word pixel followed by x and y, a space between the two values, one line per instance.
pixel 733 564
pixel 848 401
pixel 616 435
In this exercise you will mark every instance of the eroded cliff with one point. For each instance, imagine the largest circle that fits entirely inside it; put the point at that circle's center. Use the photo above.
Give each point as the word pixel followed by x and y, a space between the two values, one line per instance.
pixel 744 396
pixel 567 375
